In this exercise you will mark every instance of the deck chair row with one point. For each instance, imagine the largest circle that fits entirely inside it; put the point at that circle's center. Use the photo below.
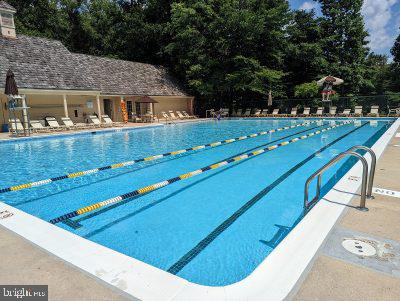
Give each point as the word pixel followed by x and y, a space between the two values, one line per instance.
pixel 180 115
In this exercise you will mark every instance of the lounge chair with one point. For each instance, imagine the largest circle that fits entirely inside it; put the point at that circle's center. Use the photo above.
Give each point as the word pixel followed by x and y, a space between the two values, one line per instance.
pixel 394 111
pixel 257 113
pixel 293 113
pixel 96 121
pixel 188 116
pixel 224 112
pixel 358 111
pixel 54 125
pixel 37 127
pixel 247 113
pixel 374 111
pixel 16 126
pixel 319 112
pixel 306 112
pixel 275 113
pixel 70 125
pixel 108 120
pixel 332 111
pixel 239 113
pixel 172 115
pixel 345 113
pixel 180 115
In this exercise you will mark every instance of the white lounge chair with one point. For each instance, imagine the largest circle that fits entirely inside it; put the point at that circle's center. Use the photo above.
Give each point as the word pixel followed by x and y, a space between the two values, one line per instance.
pixel 108 120
pixel 172 115
pixel 257 113
pixel 306 111
pixel 293 113
pixel 374 111
pixel 96 121
pixel 247 113
pixel 188 116
pixel 332 111
pixel 239 113
pixel 54 125
pixel 70 125
pixel 180 115
pixel 274 113
pixel 358 111
pixel 38 127
pixel 224 112
pixel 319 112
pixel 16 126
pixel 345 113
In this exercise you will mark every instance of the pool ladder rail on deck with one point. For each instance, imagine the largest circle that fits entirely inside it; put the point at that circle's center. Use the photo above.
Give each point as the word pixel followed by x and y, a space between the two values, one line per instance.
pixel 366 192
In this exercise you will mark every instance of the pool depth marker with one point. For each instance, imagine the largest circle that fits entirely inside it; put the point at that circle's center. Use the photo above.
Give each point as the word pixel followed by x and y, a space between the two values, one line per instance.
pixel 150 158
pixel 188 175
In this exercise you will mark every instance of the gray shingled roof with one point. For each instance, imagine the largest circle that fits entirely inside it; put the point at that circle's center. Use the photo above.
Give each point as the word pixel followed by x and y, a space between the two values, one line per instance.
pixel 40 63
pixel 5 5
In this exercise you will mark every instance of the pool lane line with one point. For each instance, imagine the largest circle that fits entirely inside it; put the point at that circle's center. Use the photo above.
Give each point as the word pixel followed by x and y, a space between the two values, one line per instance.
pixel 146 159
pixel 191 254
pixel 188 175
pixel 248 150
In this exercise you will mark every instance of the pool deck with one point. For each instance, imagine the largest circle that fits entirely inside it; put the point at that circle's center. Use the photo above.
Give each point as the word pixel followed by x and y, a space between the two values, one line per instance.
pixel 334 274
pixel 337 274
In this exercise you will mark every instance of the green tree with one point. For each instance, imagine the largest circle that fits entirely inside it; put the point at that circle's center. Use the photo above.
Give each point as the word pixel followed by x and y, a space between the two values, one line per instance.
pixel 344 42
pixel 396 50
pixel 306 90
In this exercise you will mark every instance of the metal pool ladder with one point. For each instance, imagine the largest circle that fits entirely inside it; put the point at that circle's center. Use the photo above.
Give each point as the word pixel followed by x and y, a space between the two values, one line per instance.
pixel 366 192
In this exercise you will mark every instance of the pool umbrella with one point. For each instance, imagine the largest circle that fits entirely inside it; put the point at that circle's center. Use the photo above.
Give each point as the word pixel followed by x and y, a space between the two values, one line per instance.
pixel 335 81
pixel 11 86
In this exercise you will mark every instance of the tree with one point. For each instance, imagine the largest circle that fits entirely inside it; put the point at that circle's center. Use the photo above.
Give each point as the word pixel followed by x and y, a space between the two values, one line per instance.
pixel 306 90
pixel 304 61
pixel 396 50
pixel 344 42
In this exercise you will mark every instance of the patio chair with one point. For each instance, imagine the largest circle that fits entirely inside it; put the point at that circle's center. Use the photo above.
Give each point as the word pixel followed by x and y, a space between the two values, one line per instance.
pixel 247 113
pixel 345 113
pixel 358 111
pixel 37 127
pixel 293 113
pixel 332 111
pixel 96 121
pixel 54 125
pixel 16 126
pixel 275 113
pixel 319 112
pixel 306 112
pixel 394 112
pixel 257 113
pixel 374 111
pixel 180 115
pixel 70 125
pixel 172 114
pixel 224 112
pixel 136 118
pixel 108 120
pixel 188 116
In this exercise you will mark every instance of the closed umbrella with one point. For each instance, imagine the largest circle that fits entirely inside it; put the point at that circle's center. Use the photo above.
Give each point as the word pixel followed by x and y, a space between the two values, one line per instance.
pixel 270 98
pixel 11 86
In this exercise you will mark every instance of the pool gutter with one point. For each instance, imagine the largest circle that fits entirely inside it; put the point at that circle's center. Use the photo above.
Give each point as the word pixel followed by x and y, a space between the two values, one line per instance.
pixel 273 279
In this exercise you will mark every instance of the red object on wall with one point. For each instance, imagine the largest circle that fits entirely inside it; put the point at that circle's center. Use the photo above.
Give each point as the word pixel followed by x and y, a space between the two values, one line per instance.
pixel 124 111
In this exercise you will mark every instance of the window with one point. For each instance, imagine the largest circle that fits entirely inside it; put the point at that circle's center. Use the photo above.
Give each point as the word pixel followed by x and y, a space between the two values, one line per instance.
pixel 7 19
pixel 76 113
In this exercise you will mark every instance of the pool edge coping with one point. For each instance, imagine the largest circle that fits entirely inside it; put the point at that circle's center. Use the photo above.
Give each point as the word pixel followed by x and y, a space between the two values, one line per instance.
pixel 280 269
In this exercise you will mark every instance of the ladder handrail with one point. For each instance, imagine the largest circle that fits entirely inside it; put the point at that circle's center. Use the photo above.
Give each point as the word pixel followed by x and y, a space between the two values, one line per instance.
pixel 372 168
pixel 320 171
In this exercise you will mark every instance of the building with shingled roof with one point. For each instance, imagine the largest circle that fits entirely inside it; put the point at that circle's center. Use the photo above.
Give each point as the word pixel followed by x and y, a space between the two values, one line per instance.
pixel 58 83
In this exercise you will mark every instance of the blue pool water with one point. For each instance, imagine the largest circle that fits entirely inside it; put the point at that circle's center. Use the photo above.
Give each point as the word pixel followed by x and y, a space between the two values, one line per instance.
pixel 213 229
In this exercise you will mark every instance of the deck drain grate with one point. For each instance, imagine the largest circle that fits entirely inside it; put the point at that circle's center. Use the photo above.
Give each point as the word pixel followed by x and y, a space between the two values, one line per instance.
pixel 359 247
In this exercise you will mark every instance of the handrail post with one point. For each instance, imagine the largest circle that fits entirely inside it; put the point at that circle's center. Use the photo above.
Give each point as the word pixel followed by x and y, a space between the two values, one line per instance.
pixel 320 171
pixel 373 165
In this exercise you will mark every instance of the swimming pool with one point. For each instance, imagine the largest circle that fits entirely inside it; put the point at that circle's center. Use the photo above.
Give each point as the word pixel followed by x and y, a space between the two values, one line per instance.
pixel 213 229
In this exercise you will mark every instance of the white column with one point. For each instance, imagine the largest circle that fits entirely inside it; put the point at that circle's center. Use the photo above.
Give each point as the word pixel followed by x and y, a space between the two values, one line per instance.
pixel 98 106
pixel 65 105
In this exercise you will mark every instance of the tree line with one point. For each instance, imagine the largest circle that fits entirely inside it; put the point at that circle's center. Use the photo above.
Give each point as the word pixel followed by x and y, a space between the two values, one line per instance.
pixel 226 52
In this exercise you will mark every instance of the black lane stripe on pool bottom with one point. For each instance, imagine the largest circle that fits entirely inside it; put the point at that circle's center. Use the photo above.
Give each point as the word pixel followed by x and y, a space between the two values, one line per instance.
pixel 102 210
pixel 189 256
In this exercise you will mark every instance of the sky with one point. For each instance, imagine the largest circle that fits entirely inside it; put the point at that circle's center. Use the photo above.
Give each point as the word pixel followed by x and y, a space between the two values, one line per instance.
pixel 382 20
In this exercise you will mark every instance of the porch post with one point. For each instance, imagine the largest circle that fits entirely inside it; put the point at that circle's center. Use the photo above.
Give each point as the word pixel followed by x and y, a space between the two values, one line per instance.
pixel 65 105
pixel 98 106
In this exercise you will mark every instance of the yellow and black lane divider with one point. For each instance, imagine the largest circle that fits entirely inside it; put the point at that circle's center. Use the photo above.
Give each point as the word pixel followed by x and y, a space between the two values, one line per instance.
pixel 188 175
pixel 150 158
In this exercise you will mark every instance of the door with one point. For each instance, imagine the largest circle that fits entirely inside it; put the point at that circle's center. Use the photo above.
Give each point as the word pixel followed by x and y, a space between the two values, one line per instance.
pixel 108 108
pixel 129 108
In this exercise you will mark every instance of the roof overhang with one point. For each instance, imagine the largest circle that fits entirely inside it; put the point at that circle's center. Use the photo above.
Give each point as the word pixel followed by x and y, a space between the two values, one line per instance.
pixel 58 92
